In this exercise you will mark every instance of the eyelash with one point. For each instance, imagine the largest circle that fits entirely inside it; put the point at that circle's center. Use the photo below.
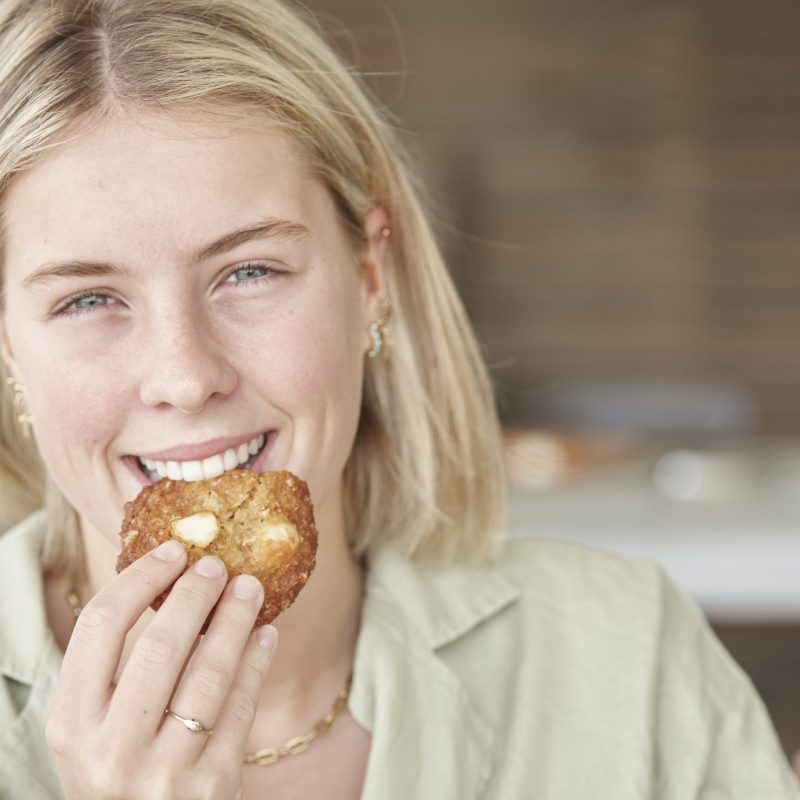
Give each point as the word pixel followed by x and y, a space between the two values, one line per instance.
pixel 67 309
pixel 271 272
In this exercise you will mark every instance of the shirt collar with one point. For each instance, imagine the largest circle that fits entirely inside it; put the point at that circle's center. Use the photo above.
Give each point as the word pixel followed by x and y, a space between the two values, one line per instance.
pixel 441 603
pixel 430 738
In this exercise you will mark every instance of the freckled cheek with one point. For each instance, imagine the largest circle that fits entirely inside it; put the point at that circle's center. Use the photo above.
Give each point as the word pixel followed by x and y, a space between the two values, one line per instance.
pixel 82 412
pixel 319 358
pixel 304 376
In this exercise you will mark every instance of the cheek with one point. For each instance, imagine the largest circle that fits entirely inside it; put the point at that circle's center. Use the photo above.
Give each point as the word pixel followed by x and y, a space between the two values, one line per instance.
pixel 86 407
pixel 327 349
pixel 75 402
pixel 306 363
pixel 311 346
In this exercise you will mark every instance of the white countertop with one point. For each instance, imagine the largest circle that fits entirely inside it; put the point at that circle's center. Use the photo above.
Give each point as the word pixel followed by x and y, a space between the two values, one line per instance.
pixel 733 546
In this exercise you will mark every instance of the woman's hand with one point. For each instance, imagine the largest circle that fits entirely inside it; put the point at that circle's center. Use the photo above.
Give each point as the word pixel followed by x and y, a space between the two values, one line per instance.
pixel 115 741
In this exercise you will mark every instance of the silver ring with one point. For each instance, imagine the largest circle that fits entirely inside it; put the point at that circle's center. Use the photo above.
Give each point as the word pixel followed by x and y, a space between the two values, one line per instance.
pixel 194 725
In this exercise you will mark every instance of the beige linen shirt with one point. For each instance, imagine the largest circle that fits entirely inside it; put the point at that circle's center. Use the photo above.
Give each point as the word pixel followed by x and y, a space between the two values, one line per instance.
pixel 555 673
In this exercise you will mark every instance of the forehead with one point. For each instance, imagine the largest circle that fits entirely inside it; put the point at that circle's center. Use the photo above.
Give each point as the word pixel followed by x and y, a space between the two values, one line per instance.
pixel 159 184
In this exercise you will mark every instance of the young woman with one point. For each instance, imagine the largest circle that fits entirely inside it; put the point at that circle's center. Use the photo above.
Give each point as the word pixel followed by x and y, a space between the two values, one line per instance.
pixel 211 239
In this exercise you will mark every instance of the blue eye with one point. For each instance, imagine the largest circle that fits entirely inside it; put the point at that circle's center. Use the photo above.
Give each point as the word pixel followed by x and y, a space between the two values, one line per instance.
pixel 92 301
pixel 88 301
pixel 249 272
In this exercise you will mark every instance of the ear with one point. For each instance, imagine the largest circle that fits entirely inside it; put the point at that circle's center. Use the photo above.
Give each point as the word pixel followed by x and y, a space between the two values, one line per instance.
pixel 376 222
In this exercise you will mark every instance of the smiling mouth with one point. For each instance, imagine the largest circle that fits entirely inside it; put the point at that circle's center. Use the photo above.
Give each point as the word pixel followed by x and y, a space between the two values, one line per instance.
pixel 242 457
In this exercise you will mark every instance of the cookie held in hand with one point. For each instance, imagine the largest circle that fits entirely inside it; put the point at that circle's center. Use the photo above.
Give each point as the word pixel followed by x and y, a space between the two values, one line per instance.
pixel 261 524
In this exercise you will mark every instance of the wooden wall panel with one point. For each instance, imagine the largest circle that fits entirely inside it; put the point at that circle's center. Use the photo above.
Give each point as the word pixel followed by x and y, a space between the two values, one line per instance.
pixel 619 182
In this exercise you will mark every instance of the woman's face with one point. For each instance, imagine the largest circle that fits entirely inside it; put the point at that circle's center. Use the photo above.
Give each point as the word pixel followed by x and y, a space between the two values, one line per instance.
pixel 175 293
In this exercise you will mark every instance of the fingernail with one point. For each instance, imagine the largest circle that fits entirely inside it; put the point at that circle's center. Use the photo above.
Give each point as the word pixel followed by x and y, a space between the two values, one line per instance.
pixel 209 567
pixel 246 587
pixel 169 550
pixel 267 637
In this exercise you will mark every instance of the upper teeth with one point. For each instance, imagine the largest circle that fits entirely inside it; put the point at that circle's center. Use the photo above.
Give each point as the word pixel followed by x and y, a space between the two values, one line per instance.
pixel 209 467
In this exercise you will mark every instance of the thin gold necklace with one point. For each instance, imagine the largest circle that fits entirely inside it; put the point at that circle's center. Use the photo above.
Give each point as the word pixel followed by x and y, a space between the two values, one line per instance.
pixel 268 755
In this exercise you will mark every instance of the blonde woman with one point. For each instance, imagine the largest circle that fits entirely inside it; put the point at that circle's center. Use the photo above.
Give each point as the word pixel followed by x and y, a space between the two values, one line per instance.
pixel 211 239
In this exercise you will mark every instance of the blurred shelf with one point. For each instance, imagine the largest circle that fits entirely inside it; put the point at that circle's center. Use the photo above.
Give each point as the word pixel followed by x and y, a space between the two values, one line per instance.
pixel 722 521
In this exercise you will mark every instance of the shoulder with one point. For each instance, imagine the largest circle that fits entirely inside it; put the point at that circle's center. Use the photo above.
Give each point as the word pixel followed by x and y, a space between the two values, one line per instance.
pixel 574 579
pixel 623 614
pixel 591 601
pixel 619 634
pixel 26 535
pixel 21 552
pixel 529 590
pixel 23 624
pixel 599 660
pixel 29 665
pixel 21 558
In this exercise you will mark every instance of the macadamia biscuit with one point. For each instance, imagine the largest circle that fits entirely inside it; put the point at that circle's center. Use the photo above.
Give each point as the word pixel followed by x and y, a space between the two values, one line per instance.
pixel 261 524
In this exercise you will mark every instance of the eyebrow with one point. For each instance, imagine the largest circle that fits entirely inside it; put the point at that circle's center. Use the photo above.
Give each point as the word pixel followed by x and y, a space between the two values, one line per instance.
pixel 270 228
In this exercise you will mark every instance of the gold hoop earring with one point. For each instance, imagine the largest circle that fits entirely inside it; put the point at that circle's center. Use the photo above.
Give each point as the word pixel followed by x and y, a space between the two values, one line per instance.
pixel 21 409
pixel 379 331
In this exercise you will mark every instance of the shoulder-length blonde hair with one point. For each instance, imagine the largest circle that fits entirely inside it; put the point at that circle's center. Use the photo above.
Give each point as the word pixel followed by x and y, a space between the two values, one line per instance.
pixel 426 470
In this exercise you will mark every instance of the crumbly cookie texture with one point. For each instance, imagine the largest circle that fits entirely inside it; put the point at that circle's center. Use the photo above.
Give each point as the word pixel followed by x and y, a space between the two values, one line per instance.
pixel 261 524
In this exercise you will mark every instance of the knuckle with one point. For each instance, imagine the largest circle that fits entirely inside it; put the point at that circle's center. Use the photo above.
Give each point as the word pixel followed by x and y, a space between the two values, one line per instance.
pixel 100 612
pixel 140 571
pixel 242 709
pixel 210 680
pixel 253 669
pixel 156 649
pixel 194 591
pixel 108 777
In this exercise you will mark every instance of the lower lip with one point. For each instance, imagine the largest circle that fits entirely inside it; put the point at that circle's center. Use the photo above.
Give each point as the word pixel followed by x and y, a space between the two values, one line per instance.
pixel 259 466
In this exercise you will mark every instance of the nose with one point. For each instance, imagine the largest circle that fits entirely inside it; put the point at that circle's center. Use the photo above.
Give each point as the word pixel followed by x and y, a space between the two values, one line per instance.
pixel 185 366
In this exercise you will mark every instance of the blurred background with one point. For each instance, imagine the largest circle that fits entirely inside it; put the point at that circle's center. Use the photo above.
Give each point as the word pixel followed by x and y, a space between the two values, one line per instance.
pixel 618 192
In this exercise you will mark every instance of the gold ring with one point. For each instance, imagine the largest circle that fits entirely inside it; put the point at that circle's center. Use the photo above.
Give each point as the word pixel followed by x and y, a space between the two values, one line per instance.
pixel 194 725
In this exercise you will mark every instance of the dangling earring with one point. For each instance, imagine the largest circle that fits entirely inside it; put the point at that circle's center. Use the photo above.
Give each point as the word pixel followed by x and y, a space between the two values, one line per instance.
pixel 21 407
pixel 380 331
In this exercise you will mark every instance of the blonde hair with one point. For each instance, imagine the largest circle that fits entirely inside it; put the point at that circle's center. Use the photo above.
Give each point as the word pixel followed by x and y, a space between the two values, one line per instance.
pixel 426 469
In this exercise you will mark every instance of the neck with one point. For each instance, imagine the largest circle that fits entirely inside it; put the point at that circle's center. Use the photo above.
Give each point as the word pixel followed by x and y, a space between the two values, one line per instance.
pixel 317 635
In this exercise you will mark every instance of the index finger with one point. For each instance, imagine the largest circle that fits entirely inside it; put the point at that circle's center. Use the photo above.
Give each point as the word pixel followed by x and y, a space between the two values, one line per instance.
pixel 94 650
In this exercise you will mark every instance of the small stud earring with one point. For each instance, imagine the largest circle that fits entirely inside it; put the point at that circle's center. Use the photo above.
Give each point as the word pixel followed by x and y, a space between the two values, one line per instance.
pixel 386 232
pixel 21 407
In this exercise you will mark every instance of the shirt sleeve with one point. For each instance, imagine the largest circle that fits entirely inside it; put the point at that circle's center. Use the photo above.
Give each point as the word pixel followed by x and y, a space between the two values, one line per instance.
pixel 714 738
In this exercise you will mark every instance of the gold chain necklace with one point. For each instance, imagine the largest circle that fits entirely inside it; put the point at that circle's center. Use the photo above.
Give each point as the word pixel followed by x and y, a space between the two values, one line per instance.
pixel 297 744
pixel 268 755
